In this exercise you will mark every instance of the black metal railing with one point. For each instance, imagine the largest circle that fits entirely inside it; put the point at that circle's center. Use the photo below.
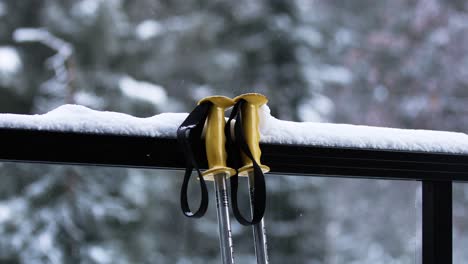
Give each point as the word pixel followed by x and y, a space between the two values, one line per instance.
pixel 437 171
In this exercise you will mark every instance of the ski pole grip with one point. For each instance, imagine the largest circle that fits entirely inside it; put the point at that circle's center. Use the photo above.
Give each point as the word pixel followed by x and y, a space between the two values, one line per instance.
pixel 215 139
pixel 251 119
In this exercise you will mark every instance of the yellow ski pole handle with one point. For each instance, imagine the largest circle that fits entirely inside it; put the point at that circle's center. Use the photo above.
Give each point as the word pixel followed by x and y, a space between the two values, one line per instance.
pixel 215 139
pixel 215 142
pixel 251 130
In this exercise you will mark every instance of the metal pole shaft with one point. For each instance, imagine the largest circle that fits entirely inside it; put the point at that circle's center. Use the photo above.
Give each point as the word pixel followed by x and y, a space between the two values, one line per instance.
pixel 224 224
pixel 259 231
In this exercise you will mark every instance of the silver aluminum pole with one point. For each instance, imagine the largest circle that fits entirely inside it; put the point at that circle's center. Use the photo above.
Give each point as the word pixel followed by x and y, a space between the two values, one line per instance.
pixel 259 230
pixel 224 224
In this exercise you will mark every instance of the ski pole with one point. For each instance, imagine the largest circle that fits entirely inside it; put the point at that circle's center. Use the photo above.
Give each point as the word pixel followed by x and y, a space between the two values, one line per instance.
pixel 250 122
pixel 259 232
pixel 218 171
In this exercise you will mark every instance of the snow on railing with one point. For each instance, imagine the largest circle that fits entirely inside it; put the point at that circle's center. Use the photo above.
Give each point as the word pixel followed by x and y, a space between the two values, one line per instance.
pixel 76 118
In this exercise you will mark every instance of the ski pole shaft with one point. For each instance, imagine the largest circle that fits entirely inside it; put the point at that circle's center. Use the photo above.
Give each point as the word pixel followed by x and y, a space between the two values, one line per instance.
pixel 259 231
pixel 224 224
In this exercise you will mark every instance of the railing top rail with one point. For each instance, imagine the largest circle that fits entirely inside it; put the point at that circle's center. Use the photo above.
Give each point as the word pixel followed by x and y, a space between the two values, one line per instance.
pixel 22 145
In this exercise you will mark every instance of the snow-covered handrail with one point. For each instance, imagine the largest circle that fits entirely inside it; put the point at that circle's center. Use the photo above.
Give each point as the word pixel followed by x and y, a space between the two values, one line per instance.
pixel 75 118
pixel 76 134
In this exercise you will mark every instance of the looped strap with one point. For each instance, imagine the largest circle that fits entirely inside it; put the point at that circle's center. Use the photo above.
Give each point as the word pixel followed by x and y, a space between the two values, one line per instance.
pixel 189 137
pixel 258 190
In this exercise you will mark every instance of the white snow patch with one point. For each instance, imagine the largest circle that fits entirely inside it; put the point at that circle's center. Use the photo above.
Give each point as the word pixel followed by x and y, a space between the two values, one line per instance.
pixel 440 36
pixel 5 213
pixel 86 8
pixel 414 105
pixel 30 34
pixel 316 108
pixel 45 241
pixel 329 73
pixel 309 114
pixel 381 93
pixel 99 254
pixel 88 99
pixel 226 60
pixel 201 92
pixel 144 91
pixel 343 37
pixel 310 35
pixel 149 29
pixel 75 118
pixel 10 61
pixel 341 135
pixel 63 49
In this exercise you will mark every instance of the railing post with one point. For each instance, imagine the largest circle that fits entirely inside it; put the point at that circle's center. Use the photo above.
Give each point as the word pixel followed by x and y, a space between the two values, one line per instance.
pixel 437 222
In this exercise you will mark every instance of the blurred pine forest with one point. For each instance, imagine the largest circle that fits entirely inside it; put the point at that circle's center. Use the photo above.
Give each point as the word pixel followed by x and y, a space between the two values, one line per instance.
pixel 384 63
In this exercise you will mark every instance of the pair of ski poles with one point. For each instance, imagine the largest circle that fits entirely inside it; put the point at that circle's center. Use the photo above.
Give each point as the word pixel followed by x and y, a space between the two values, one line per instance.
pixel 215 142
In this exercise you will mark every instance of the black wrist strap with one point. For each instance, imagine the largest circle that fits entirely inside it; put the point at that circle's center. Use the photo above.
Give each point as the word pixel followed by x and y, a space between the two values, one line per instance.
pixel 189 138
pixel 258 190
